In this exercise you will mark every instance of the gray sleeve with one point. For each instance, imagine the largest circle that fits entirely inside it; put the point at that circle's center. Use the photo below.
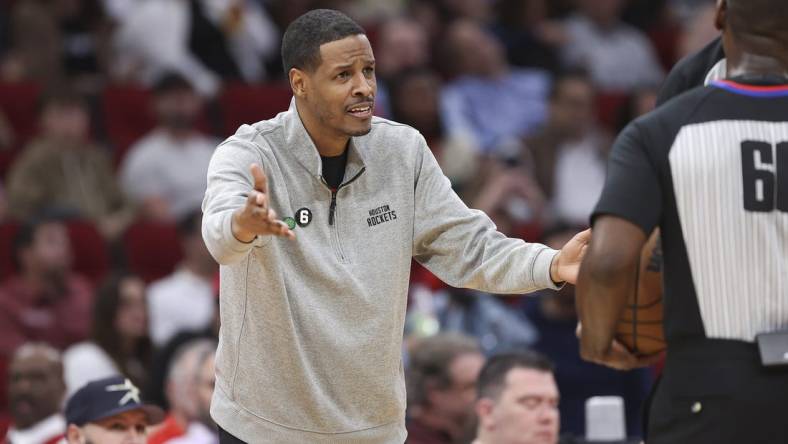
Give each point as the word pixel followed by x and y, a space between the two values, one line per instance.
pixel 463 247
pixel 229 182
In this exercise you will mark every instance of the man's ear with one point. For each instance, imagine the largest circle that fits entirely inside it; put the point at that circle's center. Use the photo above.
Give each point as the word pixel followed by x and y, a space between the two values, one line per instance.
pixel 721 16
pixel 484 408
pixel 299 82
pixel 73 434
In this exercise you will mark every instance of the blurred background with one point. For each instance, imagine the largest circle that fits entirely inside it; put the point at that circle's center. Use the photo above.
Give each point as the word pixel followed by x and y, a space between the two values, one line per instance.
pixel 110 111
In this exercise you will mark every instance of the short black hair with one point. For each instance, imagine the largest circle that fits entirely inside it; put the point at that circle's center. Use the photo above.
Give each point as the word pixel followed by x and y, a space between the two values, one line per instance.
pixel 762 18
pixel 26 234
pixel 574 73
pixel 190 224
pixel 303 37
pixel 171 81
pixel 492 378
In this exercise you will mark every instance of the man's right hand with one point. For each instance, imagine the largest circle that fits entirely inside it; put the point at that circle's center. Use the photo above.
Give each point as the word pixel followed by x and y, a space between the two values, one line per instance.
pixel 255 218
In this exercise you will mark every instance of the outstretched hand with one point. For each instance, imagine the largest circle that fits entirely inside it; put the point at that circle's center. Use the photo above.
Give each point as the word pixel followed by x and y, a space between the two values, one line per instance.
pixel 255 218
pixel 567 262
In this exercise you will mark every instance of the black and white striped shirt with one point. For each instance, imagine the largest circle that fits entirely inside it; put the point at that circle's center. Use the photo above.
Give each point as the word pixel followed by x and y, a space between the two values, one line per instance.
pixel 710 168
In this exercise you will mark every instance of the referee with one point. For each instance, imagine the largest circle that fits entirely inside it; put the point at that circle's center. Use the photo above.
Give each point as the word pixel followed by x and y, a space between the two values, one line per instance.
pixel 313 305
pixel 710 169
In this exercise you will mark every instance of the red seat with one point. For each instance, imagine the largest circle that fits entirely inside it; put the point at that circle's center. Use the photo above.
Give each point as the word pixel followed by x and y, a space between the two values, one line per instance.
pixel 153 249
pixel 89 249
pixel 19 104
pixel 127 116
pixel 7 234
pixel 608 108
pixel 91 258
pixel 248 104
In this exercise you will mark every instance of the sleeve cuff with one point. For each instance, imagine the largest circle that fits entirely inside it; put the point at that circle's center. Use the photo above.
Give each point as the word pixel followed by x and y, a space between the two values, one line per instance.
pixel 233 243
pixel 541 269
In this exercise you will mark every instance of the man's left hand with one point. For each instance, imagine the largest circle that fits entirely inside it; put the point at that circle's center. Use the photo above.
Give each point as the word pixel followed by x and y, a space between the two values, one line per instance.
pixel 567 262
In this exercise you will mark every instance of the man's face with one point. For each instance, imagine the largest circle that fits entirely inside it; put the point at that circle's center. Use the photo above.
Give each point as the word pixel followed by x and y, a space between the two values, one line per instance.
pixel 403 44
pixel 125 428
pixel 66 122
pixel 340 93
pixel 456 401
pixel 178 108
pixel 526 411
pixel 418 101
pixel 481 54
pixel 572 108
pixel 50 251
pixel 35 389
pixel 603 12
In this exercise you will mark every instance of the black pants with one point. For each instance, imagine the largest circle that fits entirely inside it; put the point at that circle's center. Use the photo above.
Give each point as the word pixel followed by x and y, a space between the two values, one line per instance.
pixel 226 438
pixel 717 392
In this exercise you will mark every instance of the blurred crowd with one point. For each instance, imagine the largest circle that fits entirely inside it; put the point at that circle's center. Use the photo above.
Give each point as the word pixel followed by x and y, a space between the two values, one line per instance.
pixel 110 111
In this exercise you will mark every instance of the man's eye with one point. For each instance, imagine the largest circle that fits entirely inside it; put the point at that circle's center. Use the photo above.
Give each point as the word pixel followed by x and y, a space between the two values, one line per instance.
pixel 343 75
pixel 117 427
pixel 369 71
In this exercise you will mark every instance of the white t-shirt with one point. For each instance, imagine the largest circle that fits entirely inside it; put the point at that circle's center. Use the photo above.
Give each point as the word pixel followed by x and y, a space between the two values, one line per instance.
pixel 182 301
pixel 174 170
pixel 85 362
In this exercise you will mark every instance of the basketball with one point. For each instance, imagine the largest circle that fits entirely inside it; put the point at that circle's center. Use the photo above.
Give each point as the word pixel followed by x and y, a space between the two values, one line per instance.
pixel 640 326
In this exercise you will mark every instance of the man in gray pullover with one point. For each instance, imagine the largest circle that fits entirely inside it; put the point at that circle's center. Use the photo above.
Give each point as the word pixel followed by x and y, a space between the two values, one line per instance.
pixel 313 305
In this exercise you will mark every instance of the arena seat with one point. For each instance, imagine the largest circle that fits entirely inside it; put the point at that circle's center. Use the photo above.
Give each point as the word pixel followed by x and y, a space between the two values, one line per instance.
pixel 608 108
pixel 127 116
pixel 7 233
pixel 153 249
pixel 19 104
pixel 91 256
pixel 240 104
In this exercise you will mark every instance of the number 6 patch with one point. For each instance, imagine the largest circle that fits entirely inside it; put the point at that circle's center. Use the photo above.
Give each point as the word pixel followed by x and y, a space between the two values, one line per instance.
pixel 303 217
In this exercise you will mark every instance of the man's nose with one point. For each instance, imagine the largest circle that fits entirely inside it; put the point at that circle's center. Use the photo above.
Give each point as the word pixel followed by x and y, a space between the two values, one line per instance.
pixel 362 86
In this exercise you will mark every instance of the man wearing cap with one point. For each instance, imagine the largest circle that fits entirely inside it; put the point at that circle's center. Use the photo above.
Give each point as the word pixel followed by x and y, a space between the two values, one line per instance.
pixel 109 411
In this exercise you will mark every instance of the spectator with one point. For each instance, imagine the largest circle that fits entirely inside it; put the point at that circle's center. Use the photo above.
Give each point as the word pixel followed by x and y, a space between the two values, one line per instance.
pixel 530 39
pixel 119 342
pixel 401 45
pixel 57 41
pixel 619 57
pixel 200 428
pixel 641 102
pixel 36 390
pixel 554 314
pixel 517 401
pixel 186 390
pixel 62 169
pixel 45 301
pixel 441 383
pixel 414 97
pixel 511 198
pixel 478 11
pixel 109 411
pixel 148 175
pixel 487 99
pixel 191 285
pixel 204 41
pixel 567 155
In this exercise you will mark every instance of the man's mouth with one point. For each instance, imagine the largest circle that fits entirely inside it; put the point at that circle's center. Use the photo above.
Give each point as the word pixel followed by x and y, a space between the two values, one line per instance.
pixel 361 110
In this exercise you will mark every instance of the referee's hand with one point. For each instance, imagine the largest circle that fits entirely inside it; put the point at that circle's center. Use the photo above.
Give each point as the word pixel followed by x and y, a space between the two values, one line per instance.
pixel 255 218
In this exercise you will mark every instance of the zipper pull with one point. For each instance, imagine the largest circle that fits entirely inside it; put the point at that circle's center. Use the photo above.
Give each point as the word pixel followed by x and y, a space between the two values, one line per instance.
pixel 333 206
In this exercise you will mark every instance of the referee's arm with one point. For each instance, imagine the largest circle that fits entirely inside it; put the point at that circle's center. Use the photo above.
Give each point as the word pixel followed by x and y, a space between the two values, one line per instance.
pixel 627 212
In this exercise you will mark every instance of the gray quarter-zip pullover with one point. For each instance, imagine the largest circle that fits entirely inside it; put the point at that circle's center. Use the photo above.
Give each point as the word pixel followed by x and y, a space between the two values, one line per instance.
pixel 311 329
